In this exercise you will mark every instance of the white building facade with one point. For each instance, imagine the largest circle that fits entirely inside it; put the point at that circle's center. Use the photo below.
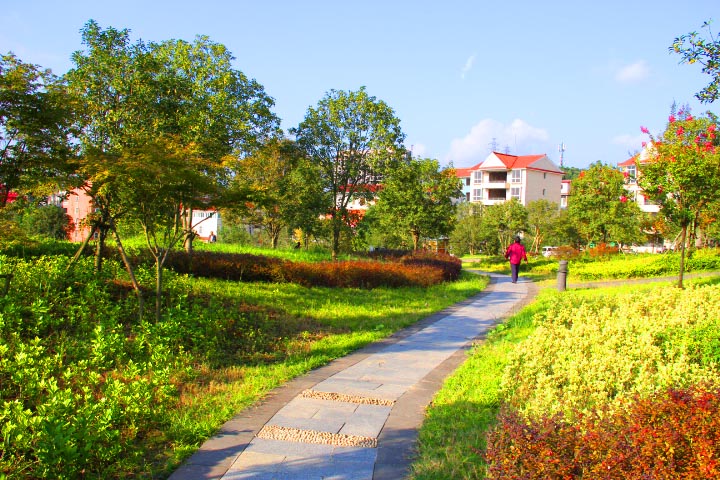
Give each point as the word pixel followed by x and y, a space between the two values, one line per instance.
pixel 502 177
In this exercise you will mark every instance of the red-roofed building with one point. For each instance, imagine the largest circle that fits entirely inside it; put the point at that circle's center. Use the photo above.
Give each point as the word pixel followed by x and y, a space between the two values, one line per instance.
pixel 501 177
pixel 635 193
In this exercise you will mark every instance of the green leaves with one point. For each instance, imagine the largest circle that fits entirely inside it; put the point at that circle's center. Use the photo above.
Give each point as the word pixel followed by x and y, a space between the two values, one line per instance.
pixel 705 51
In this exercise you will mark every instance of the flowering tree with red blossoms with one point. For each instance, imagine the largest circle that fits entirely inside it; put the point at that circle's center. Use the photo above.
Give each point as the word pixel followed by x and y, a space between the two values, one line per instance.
pixel 682 173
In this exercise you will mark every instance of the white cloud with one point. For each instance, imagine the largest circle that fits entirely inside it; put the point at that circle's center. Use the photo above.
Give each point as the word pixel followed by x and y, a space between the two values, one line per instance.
pixel 518 138
pixel 468 66
pixel 635 72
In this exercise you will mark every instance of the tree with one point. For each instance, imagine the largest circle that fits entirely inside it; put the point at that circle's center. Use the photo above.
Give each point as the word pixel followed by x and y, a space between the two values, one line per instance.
pixel 543 220
pixel 36 118
pixel 506 220
pixel 417 197
pixel 160 177
pixel 266 178
pixel 47 220
pixel 469 234
pixel 600 208
pixel 215 108
pixel 111 82
pixel 352 137
pixel 140 100
pixel 705 51
pixel 682 173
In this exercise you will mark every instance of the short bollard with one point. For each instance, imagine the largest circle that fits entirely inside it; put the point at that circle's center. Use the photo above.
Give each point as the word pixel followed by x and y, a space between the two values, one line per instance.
pixel 562 275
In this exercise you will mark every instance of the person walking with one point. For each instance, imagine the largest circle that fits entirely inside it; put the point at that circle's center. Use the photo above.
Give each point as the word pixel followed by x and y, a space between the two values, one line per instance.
pixel 516 253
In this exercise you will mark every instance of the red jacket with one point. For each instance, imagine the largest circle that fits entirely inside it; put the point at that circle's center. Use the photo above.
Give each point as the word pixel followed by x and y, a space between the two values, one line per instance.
pixel 516 253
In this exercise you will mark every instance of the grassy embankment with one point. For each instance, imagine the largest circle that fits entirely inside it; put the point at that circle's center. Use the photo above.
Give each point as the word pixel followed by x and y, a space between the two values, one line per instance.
pixel 87 390
pixel 573 351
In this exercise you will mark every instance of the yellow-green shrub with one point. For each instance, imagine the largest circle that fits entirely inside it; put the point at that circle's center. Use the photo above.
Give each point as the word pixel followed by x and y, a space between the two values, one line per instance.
pixel 589 352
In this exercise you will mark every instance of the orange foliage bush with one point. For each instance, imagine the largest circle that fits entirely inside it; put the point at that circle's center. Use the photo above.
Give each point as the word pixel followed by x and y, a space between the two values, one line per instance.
pixel 414 269
pixel 673 435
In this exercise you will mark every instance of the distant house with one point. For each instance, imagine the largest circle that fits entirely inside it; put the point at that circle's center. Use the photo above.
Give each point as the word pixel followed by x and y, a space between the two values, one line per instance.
pixel 565 188
pixel 635 192
pixel 502 177
pixel 78 205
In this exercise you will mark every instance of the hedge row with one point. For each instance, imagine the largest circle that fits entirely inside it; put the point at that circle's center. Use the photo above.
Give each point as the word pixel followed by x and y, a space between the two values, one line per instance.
pixel 414 269
pixel 674 434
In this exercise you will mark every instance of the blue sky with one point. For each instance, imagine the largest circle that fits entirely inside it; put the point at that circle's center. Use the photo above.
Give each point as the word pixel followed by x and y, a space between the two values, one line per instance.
pixel 460 75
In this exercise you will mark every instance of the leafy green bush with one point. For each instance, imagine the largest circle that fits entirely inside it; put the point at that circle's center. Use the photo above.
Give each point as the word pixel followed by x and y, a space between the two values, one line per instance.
pixel 673 434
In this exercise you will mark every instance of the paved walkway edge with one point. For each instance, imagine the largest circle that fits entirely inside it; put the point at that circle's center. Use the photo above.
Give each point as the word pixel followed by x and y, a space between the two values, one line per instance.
pixel 398 437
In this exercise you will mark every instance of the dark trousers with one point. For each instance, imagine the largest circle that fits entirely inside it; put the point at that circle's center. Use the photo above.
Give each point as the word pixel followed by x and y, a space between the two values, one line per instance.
pixel 515 269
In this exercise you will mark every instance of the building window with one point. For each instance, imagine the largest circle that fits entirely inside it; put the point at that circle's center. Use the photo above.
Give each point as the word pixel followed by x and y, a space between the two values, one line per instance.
pixel 543 192
pixel 477 177
pixel 515 193
pixel 467 196
pixel 497 177
pixel 477 194
pixel 544 175
pixel 497 194
pixel 516 176
pixel 631 173
pixel 467 181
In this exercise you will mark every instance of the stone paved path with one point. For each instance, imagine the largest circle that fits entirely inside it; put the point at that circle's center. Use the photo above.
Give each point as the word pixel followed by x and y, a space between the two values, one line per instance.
pixel 356 418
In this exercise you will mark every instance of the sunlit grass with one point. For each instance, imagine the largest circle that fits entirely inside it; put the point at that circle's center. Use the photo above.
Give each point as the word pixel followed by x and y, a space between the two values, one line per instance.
pixel 452 438
pixel 350 319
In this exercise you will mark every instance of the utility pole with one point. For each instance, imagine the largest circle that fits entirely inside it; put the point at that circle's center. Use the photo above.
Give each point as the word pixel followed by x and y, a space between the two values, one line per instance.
pixel 561 149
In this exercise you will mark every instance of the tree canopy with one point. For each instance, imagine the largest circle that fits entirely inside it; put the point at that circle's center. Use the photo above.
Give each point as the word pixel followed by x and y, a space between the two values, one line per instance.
pixel 600 208
pixel 353 138
pixel 706 51
pixel 417 198
pixel 682 171
pixel 36 118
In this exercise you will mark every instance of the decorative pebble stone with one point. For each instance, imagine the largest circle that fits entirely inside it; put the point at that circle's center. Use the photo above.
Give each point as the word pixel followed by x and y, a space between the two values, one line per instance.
pixel 275 432
pixel 340 397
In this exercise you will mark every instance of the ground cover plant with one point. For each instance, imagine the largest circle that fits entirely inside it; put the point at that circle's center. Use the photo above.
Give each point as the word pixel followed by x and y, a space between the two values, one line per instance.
pixel 89 391
pixel 579 366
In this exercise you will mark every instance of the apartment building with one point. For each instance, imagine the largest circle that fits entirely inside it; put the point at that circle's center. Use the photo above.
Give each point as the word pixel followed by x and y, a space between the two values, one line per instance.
pixel 501 177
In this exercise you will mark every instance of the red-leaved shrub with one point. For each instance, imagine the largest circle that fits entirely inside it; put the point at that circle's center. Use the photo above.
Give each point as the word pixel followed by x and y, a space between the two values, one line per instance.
pixel 672 435
pixel 227 266
pixel 414 269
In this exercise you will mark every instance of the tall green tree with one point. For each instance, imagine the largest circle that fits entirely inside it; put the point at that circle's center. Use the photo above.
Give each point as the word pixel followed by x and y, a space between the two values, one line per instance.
pixel 706 51
pixel 352 137
pixel 470 234
pixel 682 173
pixel 267 179
pixel 600 209
pixel 36 120
pixel 417 198
pixel 111 80
pixel 506 220
pixel 543 222
pixel 213 107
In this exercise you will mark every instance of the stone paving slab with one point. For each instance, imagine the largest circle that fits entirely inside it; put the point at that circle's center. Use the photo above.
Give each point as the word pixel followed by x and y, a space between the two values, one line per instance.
pixel 405 369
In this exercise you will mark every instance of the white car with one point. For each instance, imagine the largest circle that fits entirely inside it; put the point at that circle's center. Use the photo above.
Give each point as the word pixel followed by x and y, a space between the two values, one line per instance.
pixel 548 251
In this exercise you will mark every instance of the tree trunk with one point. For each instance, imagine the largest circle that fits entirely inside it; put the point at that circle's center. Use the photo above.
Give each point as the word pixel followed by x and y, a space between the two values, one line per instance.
pixel 415 238
pixel 82 248
pixel 102 233
pixel 336 225
pixel 682 255
pixel 131 273
pixel 158 287
pixel 189 234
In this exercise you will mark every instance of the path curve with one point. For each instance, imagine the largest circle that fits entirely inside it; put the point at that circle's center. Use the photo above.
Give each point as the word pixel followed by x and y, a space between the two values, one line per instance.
pixel 356 418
